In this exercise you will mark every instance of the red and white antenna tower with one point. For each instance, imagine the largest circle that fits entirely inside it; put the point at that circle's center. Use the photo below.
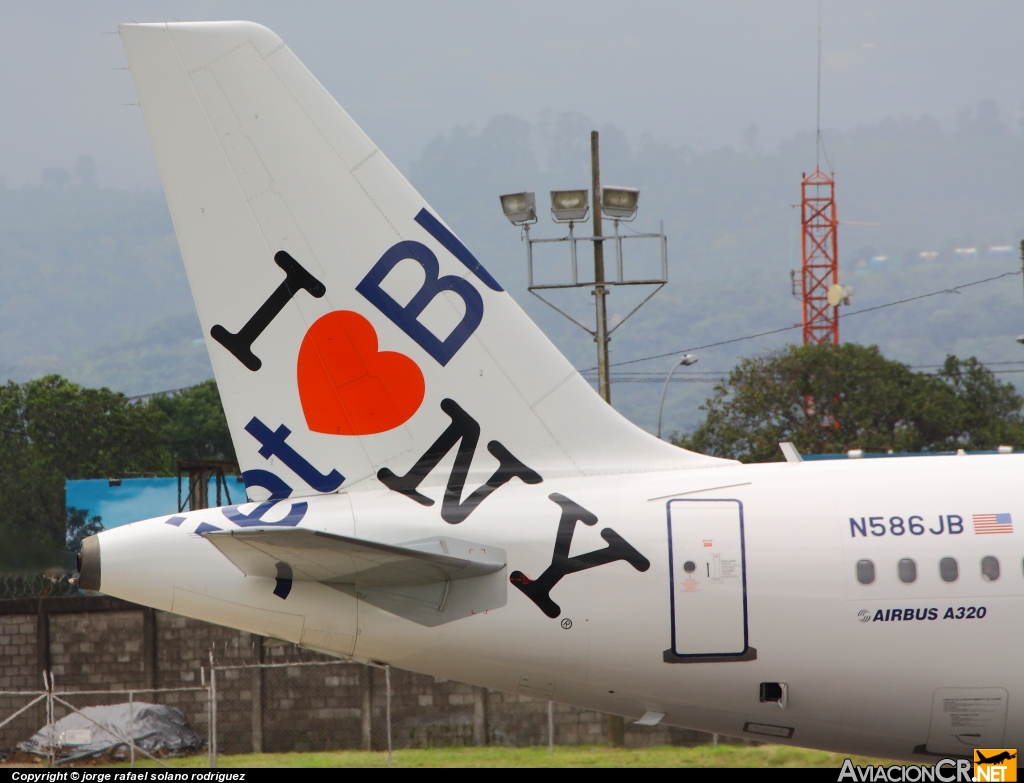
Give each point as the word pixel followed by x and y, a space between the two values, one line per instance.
pixel 818 243
pixel 820 257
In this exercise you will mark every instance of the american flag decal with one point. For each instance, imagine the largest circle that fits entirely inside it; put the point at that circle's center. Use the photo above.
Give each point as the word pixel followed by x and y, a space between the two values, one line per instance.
pixel 992 523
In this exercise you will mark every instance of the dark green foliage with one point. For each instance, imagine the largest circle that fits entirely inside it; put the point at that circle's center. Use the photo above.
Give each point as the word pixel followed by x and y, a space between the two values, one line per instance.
pixel 92 433
pixel 195 427
pixel 52 430
pixel 828 399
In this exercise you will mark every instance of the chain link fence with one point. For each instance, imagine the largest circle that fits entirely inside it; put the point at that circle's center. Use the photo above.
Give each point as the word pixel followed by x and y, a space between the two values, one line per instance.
pixel 33 729
pixel 22 714
pixel 292 706
pixel 297 701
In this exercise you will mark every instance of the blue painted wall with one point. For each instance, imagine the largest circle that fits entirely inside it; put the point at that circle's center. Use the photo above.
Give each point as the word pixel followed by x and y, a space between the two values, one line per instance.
pixel 139 498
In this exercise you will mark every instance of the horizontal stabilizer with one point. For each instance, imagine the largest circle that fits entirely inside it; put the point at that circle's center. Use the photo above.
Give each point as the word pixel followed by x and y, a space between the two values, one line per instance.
pixel 316 556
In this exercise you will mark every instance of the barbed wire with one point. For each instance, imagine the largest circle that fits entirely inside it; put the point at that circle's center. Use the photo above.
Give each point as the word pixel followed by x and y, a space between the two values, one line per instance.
pixel 14 586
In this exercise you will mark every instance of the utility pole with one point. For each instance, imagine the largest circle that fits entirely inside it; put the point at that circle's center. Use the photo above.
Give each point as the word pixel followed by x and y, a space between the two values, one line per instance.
pixel 604 387
pixel 616 723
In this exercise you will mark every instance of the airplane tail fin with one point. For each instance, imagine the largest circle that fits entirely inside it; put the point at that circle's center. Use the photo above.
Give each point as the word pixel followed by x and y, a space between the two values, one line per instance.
pixel 355 339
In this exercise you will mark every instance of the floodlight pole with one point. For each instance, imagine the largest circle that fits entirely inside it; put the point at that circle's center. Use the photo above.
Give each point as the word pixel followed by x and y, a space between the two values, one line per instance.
pixel 604 386
pixel 524 216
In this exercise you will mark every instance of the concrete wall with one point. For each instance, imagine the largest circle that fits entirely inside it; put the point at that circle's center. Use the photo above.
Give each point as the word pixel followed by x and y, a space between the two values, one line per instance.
pixel 105 644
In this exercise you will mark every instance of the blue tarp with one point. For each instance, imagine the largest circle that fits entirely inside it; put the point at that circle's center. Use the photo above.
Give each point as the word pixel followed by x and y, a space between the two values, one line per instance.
pixel 139 498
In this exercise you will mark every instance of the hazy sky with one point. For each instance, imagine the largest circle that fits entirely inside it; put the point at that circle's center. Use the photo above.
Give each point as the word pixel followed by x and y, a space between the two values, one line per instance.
pixel 692 73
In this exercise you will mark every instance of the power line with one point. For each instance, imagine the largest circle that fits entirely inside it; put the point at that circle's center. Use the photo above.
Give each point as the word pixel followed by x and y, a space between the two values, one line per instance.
pixel 141 397
pixel 933 366
pixel 636 377
pixel 626 378
pixel 659 374
pixel 629 379
pixel 955 289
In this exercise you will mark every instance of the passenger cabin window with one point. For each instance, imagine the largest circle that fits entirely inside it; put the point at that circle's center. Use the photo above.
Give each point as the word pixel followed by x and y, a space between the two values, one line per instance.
pixel 990 568
pixel 907 570
pixel 948 569
pixel 865 572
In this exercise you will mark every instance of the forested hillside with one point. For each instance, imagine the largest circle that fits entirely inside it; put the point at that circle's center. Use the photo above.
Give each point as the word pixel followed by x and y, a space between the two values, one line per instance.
pixel 94 287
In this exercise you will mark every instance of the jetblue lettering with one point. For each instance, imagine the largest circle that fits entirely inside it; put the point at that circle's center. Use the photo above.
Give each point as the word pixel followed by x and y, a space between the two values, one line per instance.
pixel 273 445
pixel 270 481
pixel 407 318
pixel 539 590
pixel 915 525
pixel 465 431
pixel 255 517
pixel 296 279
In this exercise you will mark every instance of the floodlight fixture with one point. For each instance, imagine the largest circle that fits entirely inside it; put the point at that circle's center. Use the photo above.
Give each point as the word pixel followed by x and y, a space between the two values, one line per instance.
pixel 519 208
pixel 569 206
pixel 619 203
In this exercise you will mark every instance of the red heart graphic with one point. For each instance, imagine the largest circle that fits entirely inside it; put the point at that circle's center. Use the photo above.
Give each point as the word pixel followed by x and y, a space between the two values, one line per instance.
pixel 346 386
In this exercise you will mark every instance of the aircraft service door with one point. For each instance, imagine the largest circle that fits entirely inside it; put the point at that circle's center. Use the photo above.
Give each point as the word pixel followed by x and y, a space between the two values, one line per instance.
pixel 707 570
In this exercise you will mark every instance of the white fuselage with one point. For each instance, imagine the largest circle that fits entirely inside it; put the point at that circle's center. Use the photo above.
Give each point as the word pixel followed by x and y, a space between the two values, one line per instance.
pixel 773 554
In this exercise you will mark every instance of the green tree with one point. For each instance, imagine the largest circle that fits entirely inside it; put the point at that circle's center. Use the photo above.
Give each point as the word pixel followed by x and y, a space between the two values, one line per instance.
pixel 196 427
pixel 829 399
pixel 31 492
pixel 93 433
pixel 52 430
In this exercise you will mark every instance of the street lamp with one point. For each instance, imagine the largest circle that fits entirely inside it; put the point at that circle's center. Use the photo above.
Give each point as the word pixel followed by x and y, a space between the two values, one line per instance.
pixel 686 360
pixel 519 208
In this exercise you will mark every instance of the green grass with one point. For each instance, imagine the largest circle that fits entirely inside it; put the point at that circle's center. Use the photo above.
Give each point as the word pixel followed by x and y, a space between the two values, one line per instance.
pixel 569 756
